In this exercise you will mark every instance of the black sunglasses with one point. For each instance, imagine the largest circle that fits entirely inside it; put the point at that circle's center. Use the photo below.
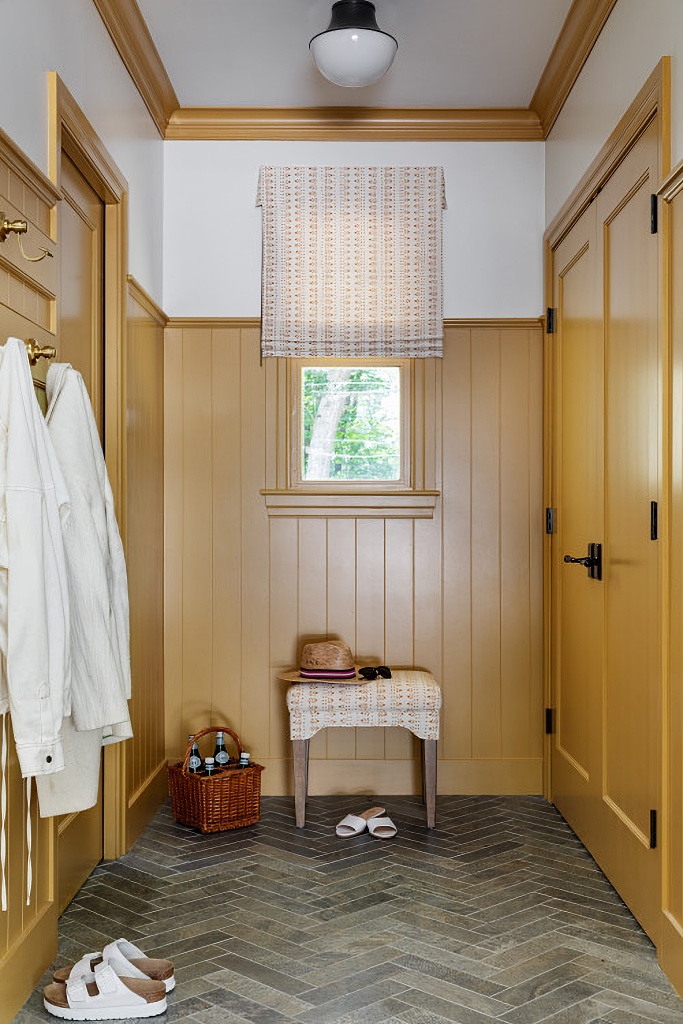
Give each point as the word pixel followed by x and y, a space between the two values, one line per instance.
pixel 371 673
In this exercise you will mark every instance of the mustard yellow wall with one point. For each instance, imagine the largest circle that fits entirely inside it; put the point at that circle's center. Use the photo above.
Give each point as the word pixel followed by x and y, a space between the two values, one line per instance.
pixel 459 594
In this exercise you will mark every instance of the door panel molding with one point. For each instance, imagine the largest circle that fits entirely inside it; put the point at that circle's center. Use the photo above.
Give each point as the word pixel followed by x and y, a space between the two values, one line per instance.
pixel 70 132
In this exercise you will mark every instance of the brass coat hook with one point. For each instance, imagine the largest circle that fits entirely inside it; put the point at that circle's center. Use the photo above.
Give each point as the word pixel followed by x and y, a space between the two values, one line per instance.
pixel 19 228
pixel 34 351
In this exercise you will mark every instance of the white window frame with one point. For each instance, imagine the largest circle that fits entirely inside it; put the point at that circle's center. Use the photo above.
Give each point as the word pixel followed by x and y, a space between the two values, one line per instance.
pixel 413 496
pixel 296 480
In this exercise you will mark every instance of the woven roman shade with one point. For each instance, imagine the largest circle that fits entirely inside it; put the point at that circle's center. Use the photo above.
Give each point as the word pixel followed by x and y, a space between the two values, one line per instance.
pixel 352 261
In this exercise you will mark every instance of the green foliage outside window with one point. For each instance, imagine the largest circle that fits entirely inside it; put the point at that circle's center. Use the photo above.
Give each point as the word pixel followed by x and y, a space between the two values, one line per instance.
pixel 351 423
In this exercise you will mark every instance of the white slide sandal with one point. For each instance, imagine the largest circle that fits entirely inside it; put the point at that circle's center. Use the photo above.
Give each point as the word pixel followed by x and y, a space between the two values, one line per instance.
pixel 382 828
pixel 354 824
pixel 127 960
pixel 102 995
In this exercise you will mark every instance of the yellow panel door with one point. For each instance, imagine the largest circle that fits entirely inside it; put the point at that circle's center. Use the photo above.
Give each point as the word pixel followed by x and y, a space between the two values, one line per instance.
pixel 631 692
pixel 606 634
pixel 577 599
pixel 80 836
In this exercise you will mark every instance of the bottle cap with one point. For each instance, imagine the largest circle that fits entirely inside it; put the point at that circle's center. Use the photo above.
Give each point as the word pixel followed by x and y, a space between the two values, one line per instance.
pixel 245 754
pixel 219 732
pixel 208 760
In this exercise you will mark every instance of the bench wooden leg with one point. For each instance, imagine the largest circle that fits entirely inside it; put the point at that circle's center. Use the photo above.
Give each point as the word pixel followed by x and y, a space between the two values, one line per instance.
pixel 429 780
pixel 300 751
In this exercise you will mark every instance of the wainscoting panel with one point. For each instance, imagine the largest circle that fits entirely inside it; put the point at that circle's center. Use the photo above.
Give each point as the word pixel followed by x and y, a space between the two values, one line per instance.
pixel 459 594
pixel 145 774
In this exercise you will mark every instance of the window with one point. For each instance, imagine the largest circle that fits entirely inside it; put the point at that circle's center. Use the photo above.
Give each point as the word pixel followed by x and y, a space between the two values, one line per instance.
pixel 352 437
pixel 350 422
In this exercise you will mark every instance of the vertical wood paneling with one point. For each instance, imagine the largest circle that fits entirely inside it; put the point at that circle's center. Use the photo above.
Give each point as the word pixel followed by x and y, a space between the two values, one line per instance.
pixel 341 610
pixel 400 625
pixel 284 625
pixel 145 754
pixel 457 545
pixel 536 517
pixel 253 627
pixel 144 538
pixel 226 405
pixel 370 620
pixel 517 451
pixel 174 517
pixel 457 594
pixel 313 596
pixel 486 530
pixel 197 530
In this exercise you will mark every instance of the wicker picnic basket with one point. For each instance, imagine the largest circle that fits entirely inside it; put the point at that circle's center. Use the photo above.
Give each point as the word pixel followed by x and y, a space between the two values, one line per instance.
pixel 229 799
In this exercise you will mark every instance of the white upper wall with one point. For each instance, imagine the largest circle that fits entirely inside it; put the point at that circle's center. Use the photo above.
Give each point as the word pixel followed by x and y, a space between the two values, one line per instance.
pixel 637 34
pixel 493 226
pixel 67 36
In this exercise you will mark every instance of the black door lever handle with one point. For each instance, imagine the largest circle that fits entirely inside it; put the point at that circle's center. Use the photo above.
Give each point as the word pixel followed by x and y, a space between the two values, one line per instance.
pixel 592 561
pixel 579 561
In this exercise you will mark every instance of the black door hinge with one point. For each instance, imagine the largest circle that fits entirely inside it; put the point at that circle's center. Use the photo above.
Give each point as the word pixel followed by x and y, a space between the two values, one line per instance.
pixel 653 214
pixel 550 320
pixel 653 830
pixel 548 721
pixel 550 520
pixel 653 520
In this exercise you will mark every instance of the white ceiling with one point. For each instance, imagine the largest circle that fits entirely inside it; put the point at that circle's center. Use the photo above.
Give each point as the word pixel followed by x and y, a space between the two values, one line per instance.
pixel 452 53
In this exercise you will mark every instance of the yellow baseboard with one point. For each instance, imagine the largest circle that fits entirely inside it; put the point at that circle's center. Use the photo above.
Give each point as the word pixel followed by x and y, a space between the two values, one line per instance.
pixel 508 776
pixel 26 961
pixel 145 801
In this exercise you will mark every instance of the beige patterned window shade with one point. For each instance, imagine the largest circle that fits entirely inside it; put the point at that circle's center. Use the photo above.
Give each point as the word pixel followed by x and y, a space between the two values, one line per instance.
pixel 352 261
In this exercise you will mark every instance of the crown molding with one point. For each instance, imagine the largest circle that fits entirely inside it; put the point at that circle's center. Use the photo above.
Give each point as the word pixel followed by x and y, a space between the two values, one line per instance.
pixel 580 32
pixel 131 37
pixel 358 123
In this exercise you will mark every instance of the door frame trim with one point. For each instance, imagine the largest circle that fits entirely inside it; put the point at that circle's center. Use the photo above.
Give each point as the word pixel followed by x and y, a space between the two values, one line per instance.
pixel 653 99
pixel 70 132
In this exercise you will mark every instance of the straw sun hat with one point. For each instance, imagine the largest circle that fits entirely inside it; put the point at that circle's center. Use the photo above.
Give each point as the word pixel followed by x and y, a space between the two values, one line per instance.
pixel 329 661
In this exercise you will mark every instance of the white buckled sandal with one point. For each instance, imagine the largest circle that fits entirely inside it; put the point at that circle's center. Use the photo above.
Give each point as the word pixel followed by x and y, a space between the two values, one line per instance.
pixel 103 995
pixel 127 960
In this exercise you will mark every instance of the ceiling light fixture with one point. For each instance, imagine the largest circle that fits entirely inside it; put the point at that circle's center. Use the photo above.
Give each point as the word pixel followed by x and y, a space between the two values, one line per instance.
pixel 353 51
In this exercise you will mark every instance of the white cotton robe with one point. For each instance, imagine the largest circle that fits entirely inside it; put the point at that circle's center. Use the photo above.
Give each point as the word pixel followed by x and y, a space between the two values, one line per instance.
pixel 98 593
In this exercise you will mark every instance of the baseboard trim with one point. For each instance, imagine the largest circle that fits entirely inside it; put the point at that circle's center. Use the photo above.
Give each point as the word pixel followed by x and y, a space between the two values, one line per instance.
pixel 670 952
pixel 503 777
pixel 26 961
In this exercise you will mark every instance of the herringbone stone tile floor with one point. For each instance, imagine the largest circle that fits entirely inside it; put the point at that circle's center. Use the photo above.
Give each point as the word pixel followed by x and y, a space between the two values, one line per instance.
pixel 500 914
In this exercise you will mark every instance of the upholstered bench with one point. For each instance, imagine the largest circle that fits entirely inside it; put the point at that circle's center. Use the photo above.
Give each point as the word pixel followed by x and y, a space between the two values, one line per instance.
pixel 410 699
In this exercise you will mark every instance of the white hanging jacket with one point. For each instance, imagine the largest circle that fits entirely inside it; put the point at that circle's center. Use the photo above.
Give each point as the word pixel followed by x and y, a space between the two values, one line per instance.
pixel 96 569
pixel 34 604
pixel 35 662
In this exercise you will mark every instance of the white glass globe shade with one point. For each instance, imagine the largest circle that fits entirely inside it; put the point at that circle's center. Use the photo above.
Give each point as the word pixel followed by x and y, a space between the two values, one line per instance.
pixel 353 57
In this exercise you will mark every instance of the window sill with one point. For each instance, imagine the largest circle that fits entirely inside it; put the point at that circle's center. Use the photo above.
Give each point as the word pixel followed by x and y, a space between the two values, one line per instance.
pixel 352 504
